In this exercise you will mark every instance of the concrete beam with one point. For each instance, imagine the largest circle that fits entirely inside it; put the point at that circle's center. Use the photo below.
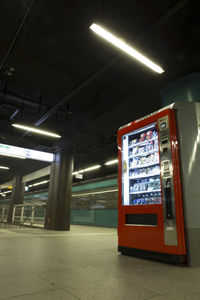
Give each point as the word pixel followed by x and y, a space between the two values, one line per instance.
pixel 29 177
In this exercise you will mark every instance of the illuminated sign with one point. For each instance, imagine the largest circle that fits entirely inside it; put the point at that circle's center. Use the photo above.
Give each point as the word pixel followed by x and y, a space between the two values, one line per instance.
pixel 24 153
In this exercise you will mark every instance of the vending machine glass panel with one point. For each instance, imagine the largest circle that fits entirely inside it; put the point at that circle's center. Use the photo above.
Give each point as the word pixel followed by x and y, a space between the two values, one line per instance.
pixel 141 167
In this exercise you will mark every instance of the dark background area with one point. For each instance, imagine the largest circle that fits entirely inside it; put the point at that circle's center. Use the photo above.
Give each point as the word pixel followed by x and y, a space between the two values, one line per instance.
pixel 49 54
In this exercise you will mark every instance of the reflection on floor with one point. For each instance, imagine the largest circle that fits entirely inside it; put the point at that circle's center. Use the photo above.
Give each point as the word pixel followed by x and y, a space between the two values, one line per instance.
pixel 84 264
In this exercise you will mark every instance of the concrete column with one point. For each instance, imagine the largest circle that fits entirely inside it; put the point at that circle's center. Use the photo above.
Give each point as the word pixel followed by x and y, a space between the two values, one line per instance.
pixel 17 196
pixel 60 190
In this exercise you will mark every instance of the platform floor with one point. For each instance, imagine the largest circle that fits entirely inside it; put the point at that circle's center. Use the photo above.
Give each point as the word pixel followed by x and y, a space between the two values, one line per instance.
pixel 84 264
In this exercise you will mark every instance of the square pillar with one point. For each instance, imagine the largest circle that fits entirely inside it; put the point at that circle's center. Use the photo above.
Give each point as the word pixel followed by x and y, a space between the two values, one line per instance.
pixel 17 196
pixel 60 191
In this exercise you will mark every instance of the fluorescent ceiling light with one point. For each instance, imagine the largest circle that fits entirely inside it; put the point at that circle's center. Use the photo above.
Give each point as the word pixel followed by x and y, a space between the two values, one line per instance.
pixel 87 169
pixel 74 173
pixel 125 47
pixel 4 168
pixel 94 193
pixel 111 162
pixel 12 155
pixel 38 183
pixel 90 169
pixel 32 129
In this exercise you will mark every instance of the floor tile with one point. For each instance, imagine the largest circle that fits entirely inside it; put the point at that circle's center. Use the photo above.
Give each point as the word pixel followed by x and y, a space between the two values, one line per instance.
pixel 84 264
pixel 11 286
pixel 95 291
pixel 46 295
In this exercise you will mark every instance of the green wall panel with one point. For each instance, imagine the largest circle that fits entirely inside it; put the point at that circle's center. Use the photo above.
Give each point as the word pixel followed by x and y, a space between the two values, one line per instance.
pixel 95 185
pixel 37 195
pixel 106 217
pixel 97 217
pixel 186 88
pixel 5 200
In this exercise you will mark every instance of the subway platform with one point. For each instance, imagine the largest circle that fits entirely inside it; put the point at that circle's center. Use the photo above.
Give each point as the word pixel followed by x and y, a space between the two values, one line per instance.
pixel 84 264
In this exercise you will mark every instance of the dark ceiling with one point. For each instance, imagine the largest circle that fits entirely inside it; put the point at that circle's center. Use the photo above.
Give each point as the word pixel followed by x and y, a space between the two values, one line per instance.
pixel 49 56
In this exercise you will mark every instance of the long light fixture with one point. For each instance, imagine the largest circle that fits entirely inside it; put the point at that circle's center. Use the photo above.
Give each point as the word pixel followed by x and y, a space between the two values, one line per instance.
pixel 7 192
pixel 4 168
pixel 125 47
pixel 12 155
pixel 87 169
pixel 111 162
pixel 38 183
pixel 90 168
pixel 4 193
pixel 35 130
pixel 95 193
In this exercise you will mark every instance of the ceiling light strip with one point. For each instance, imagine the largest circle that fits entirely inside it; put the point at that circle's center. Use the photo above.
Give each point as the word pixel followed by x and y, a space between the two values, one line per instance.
pixel 94 193
pixel 111 162
pixel 125 47
pixel 35 130
pixel 38 183
pixel 87 169
pixel 4 168
pixel 12 155
pixel 7 192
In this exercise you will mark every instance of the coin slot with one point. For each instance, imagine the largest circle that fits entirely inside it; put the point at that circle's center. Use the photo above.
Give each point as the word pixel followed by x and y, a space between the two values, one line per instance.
pixel 165 151
pixel 165 141
pixel 168 199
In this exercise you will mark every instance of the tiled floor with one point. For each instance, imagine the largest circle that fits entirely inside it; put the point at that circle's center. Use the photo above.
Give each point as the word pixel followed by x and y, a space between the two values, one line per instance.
pixel 84 264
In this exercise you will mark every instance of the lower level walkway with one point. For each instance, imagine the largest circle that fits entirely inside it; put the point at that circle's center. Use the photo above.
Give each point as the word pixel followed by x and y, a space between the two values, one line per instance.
pixel 84 264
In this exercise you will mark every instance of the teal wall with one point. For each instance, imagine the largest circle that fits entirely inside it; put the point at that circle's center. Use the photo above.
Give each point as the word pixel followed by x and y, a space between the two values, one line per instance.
pixel 37 195
pixel 6 200
pixel 78 188
pixel 92 217
pixel 95 217
pixel 95 185
pixel 186 88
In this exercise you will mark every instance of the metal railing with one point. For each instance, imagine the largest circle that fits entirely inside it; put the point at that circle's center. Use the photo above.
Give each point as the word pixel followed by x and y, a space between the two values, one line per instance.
pixel 29 214
pixel 4 213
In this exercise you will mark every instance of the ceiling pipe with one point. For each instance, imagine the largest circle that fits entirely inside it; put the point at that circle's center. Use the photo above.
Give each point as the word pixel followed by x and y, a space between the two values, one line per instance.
pixel 172 11
pixel 19 29
pixel 14 114
pixel 28 102
pixel 13 98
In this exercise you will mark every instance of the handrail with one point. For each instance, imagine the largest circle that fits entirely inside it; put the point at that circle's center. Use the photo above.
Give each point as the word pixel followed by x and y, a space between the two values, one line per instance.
pixel 21 224
pixel 20 217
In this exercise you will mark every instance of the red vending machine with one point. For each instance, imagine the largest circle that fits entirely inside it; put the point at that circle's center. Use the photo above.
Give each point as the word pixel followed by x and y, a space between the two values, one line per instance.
pixel 151 221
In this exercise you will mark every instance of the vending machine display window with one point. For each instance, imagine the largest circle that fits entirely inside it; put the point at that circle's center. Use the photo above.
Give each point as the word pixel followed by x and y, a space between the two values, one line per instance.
pixel 141 167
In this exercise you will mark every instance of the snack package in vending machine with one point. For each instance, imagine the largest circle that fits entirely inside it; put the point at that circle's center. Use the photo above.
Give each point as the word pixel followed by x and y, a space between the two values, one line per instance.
pixel 142 137
pixel 149 135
